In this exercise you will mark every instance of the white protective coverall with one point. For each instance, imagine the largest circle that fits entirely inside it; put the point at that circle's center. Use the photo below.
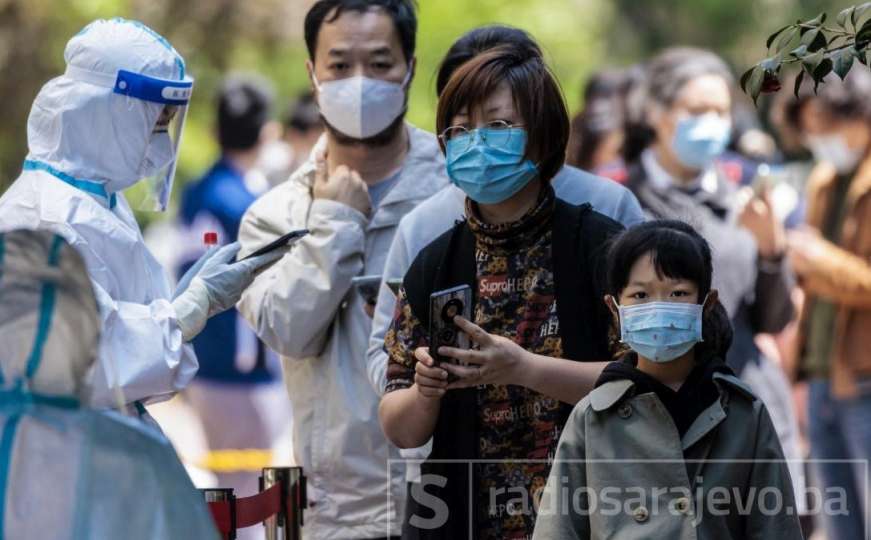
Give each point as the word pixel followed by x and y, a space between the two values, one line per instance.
pixel 68 471
pixel 86 144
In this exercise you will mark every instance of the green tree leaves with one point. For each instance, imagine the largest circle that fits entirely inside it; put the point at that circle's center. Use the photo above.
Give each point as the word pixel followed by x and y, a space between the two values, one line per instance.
pixel 816 48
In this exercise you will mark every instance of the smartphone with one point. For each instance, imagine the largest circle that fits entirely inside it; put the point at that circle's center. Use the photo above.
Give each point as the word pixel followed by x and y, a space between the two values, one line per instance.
pixel 443 307
pixel 282 241
pixel 367 287
pixel 395 284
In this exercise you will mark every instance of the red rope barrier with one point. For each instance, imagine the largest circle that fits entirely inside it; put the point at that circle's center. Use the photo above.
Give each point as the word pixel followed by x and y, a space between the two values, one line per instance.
pixel 222 514
pixel 249 510
pixel 259 508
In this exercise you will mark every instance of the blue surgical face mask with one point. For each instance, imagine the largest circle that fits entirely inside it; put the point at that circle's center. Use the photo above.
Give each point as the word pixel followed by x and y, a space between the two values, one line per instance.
pixel 488 165
pixel 700 139
pixel 661 331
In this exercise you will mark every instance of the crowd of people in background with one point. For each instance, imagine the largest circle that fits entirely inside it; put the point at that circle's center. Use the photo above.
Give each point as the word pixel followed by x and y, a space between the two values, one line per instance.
pixel 672 276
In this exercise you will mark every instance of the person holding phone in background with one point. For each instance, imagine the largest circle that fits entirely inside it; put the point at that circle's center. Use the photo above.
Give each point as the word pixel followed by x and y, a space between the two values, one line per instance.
pixel 532 263
pixel 369 170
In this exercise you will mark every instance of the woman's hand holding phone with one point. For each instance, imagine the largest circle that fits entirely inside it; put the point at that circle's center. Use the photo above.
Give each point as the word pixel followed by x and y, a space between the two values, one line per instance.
pixel 497 359
pixel 431 380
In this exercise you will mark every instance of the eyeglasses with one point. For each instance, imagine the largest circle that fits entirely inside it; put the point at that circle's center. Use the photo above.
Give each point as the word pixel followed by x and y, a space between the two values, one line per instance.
pixel 495 133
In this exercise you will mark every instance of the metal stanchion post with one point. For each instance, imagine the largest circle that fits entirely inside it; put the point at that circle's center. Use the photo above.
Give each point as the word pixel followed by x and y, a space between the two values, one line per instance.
pixel 287 525
pixel 221 495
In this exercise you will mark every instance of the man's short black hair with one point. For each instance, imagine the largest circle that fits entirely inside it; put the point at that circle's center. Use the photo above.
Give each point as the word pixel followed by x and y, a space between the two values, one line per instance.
pixel 401 11
pixel 244 107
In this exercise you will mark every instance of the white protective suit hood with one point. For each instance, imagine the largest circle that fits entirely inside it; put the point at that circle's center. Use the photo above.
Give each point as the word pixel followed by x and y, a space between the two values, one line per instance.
pixel 88 131
pixel 49 322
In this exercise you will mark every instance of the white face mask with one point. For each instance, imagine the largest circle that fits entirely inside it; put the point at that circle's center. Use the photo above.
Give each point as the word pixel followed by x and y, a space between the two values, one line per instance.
pixel 361 107
pixel 158 155
pixel 834 149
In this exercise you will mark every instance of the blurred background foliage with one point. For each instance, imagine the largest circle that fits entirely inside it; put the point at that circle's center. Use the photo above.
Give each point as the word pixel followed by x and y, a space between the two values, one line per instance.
pixel 265 36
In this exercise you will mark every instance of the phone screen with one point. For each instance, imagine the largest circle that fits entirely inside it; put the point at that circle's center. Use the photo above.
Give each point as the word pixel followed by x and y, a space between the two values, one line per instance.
pixel 443 307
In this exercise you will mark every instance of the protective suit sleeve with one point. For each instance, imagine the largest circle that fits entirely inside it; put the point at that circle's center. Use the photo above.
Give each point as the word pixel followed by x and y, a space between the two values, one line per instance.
pixel 291 304
pixel 395 267
pixel 143 352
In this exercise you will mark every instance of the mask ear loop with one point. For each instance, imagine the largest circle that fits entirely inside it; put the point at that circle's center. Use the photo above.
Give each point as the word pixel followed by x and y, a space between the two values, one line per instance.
pixel 316 81
pixel 407 79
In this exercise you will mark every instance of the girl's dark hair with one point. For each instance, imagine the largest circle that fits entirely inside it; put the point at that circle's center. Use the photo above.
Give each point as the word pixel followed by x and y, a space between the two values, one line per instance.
pixel 537 96
pixel 476 41
pixel 665 76
pixel 678 252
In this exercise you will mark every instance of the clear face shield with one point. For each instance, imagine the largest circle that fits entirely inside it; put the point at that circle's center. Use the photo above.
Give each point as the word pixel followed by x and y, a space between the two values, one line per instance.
pixel 158 165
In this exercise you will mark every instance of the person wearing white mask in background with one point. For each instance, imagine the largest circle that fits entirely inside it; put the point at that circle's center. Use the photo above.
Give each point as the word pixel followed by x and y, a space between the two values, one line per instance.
pixel 69 471
pixel 368 170
pixel 830 257
pixel 680 121
pixel 111 120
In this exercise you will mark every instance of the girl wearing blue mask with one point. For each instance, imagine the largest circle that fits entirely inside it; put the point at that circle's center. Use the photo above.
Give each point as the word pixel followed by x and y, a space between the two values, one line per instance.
pixel 678 444
pixel 679 128
pixel 539 328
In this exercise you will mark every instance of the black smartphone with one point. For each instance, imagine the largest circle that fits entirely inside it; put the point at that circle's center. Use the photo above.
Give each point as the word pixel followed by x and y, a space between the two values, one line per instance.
pixel 282 241
pixel 443 307
pixel 367 287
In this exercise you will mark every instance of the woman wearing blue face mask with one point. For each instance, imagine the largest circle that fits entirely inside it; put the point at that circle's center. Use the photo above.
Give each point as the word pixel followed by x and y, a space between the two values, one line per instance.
pixel 680 122
pixel 669 434
pixel 532 263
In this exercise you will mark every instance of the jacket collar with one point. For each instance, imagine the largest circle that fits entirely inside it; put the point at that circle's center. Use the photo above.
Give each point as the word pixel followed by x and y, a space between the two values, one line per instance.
pixel 609 394
pixel 862 181
pixel 824 174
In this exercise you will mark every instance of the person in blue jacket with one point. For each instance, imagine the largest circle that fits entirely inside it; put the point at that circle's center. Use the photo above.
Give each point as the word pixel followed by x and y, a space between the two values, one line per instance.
pixel 238 397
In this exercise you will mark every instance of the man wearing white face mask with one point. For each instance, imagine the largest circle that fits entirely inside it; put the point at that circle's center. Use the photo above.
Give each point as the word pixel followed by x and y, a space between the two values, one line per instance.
pixel 830 257
pixel 112 119
pixel 368 170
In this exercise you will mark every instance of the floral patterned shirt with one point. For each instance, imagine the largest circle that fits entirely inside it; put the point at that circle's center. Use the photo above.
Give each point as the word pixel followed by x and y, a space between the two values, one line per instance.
pixel 516 299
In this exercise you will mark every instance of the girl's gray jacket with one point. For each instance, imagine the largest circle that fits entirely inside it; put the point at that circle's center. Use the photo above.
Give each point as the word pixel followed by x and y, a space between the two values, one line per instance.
pixel 622 472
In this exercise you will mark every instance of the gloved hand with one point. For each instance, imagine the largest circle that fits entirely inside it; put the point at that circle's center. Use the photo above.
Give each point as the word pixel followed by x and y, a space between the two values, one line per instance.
pixel 185 280
pixel 217 286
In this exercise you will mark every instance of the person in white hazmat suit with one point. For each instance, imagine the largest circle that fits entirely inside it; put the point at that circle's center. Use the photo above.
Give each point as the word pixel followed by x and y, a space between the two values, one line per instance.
pixel 111 120
pixel 68 471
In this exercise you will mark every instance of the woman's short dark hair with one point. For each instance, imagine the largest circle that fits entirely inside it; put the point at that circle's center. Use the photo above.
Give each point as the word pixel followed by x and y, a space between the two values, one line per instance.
pixel 537 96
pixel 678 252
pixel 842 100
pixel 476 41
pixel 665 76
pixel 401 11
